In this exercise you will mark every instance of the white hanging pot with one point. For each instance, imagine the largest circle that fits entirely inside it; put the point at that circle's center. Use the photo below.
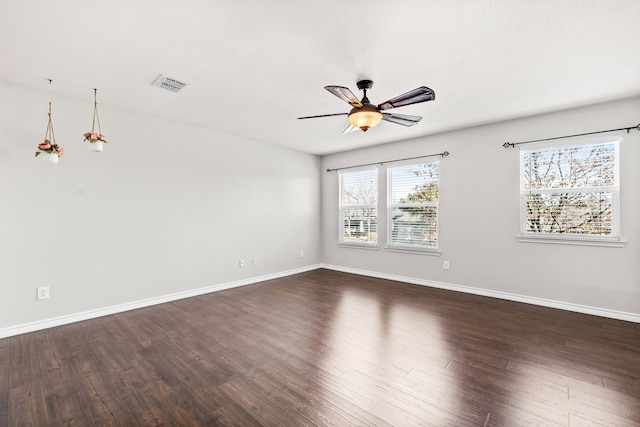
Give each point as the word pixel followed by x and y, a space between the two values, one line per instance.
pixel 98 146
pixel 53 157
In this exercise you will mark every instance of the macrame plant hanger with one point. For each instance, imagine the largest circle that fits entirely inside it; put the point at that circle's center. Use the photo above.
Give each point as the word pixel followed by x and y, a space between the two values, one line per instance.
pixel 96 118
pixel 49 144
pixel 95 138
pixel 50 136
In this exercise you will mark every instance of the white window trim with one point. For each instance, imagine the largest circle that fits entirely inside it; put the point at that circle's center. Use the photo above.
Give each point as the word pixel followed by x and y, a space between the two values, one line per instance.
pixel 583 240
pixel 355 245
pixel 413 250
pixel 552 239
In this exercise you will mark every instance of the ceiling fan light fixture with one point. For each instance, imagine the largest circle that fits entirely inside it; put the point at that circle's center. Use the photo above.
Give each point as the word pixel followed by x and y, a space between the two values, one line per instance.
pixel 364 117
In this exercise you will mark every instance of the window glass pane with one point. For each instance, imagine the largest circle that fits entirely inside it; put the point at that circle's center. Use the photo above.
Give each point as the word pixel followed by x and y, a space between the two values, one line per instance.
pixel 360 225
pixel 414 226
pixel 569 167
pixel 570 213
pixel 414 183
pixel 360 188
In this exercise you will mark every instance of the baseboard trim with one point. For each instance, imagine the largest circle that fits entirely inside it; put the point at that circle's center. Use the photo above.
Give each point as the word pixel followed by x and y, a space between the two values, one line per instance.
pixel 92 314
pixel 594 311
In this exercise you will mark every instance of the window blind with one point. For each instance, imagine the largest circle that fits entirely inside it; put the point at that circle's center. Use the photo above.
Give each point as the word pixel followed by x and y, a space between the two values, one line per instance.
pixel 413 205
pixel 359 207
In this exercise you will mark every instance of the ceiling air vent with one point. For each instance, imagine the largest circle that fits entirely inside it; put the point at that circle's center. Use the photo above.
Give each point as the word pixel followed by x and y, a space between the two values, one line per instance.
pixel 168 83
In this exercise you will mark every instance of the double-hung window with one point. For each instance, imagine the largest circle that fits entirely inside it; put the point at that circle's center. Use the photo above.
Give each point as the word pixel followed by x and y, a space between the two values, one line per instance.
pixel 570 192
pixel 413 207
pixel 359 207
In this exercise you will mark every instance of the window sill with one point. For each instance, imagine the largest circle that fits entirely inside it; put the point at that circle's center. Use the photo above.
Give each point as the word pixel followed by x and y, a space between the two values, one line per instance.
pixel 359 246
pixel 569 241
pixel 411 250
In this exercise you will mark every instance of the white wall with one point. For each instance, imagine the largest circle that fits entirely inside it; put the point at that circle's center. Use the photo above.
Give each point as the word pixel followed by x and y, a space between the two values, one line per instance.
pixel 166 208
pixel 479 215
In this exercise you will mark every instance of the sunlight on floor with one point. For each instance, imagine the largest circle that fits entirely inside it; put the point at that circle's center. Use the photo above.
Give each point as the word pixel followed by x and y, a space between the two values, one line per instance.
pixel 375 346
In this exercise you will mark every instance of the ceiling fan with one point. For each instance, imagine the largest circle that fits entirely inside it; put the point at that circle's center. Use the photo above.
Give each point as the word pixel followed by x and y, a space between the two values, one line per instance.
pixel 365 115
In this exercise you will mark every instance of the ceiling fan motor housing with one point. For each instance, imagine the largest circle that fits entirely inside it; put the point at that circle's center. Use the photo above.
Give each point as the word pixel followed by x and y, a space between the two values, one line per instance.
pixel 365 117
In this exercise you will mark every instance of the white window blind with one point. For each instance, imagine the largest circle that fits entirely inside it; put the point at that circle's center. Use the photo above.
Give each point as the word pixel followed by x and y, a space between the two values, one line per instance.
pixel 570 191
pixel 413 206
pixel 359 207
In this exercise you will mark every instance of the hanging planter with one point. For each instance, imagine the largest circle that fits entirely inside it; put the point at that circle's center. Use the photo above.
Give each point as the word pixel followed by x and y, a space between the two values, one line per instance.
pixel 95 138
pixel 49 145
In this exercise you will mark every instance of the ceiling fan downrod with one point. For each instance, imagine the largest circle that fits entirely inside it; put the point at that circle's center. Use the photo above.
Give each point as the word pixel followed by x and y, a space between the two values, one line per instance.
pixel 365 85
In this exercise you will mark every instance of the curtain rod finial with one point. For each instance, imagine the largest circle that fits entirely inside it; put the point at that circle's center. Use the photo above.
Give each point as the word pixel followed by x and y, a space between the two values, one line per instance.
pixel 445 154
pixel 508 144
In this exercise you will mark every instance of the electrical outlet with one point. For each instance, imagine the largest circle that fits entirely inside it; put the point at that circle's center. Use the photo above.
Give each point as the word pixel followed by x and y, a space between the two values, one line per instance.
pixel 254 261
pixel 445 265
pixel 43 292
pixel 301 254
pixel 241 263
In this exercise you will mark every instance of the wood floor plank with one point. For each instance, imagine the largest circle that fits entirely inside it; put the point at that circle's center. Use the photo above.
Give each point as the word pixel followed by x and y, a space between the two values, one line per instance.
pixel 410 406
pixel 232 415
pixel 268 408
pixel 4 380
pixel 327 348
pixel 94 388
pixel 27 405
pixel 323 404
pixel 24 366
pixel 62 399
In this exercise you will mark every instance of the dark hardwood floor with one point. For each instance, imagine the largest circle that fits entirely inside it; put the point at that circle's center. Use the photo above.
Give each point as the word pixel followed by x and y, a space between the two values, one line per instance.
pixel 326 348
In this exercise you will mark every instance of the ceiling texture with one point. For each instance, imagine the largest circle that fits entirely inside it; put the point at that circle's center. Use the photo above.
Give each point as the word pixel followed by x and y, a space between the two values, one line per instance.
pixel 252 67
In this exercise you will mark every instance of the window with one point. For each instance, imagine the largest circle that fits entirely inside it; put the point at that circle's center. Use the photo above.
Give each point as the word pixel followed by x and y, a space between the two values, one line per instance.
pixel 570 192
pixel 413 206
pixel 359 207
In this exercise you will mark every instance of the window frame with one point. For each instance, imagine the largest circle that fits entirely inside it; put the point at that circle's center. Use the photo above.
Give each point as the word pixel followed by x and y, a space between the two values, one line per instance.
pixel 398 247
pixel 576 239
pixel 342 207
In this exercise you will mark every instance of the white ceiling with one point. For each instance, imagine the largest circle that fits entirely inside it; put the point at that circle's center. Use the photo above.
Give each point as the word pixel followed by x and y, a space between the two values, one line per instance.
pixel 254 66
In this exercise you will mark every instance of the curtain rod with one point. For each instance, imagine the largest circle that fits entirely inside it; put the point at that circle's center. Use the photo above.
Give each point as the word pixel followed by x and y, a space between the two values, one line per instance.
pixel 513 144
pixel 443 154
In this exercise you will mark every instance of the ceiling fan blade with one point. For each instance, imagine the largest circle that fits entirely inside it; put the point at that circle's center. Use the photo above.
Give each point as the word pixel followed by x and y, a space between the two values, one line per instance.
pixel 323 115
pixel 345 94
pixel 421 94
pixel 401 119
pixel 349 129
